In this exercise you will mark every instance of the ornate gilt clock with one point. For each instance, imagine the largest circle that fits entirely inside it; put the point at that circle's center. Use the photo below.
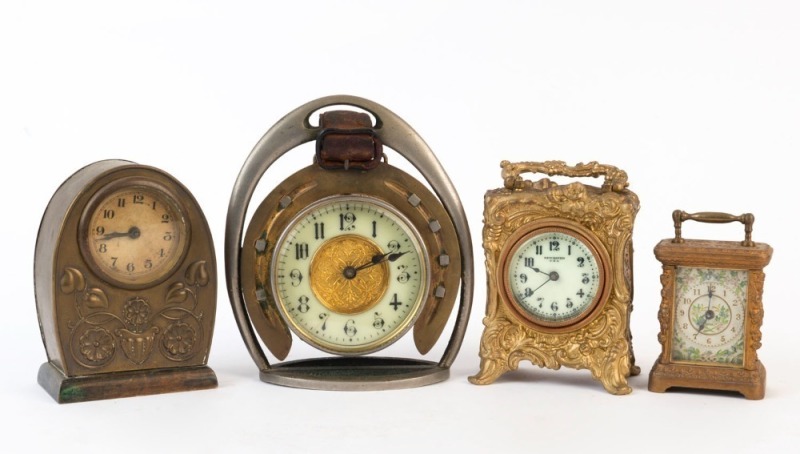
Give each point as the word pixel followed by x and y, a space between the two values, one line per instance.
pixel 559 273
pixel 711 310
pixel 348 254
pixel 125 282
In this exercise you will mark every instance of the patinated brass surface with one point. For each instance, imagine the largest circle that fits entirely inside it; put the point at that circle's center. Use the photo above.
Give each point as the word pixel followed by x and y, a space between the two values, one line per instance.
pixel 600 342
pixel 749 379
pixel 94 327
pixel 337 292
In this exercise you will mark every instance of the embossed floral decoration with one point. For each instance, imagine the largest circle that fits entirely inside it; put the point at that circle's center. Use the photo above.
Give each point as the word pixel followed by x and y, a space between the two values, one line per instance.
pixel 179 339
pixel 136 313
pixel 96 345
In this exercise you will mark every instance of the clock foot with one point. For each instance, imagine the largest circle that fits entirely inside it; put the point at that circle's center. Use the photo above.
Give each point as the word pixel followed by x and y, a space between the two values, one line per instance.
pixel 355 373
pixel 123 384
pixel 489 372
pixel 749 383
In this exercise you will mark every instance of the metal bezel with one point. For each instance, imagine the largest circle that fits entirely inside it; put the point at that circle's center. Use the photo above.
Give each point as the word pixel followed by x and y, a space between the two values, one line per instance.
pixel 393 335
pixel 572 229
pixel 116 185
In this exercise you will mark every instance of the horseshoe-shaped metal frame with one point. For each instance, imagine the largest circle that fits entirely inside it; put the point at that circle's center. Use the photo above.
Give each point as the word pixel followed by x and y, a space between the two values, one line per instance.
pixel 288 133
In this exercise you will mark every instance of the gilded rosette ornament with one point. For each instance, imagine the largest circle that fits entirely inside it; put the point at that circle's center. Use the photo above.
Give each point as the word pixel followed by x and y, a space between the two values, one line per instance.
pixel 559 273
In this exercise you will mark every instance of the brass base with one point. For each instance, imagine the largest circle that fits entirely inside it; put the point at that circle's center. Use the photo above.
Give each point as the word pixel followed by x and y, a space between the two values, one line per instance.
pixel 355 373
pixel 123 384
pixel 749 383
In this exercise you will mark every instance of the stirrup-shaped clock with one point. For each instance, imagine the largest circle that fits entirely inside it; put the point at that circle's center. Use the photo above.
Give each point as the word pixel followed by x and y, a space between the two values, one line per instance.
pixel 348 254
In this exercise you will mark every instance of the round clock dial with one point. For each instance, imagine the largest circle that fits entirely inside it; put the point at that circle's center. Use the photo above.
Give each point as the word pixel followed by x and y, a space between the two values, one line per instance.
pixel 134 234
pixel 554 277
pixel 709 315
pixel 349 274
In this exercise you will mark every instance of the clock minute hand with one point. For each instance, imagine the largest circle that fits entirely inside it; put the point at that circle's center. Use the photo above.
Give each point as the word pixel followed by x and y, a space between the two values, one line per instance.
pixel 551 276
pixel 379 258
pixel 132 233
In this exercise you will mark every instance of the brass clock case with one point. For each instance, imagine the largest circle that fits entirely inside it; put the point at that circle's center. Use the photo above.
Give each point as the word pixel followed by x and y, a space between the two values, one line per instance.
pixel 432 211
pixel 722 364
pixel 107 335
pixel 571 229
pixel 599 337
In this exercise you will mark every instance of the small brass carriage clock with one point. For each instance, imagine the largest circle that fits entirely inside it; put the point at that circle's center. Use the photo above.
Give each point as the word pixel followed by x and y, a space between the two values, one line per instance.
pixel 125 282
pixel 711 310
pixel 349 253
pixel 559 273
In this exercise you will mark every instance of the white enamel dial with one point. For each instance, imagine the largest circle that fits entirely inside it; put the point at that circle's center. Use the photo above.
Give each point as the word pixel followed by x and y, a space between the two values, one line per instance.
pixel 350 274
pixel 553 277
pixel 709 315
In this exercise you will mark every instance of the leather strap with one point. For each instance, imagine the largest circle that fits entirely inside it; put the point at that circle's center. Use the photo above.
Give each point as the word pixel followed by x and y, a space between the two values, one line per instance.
pixel 347 141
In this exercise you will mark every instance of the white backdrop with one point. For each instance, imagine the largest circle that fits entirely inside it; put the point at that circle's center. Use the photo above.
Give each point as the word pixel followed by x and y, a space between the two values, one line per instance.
pixel 697 101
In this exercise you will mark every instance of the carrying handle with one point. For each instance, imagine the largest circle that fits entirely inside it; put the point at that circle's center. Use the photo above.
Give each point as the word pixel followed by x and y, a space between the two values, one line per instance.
pixel 678 216
pixel 615 179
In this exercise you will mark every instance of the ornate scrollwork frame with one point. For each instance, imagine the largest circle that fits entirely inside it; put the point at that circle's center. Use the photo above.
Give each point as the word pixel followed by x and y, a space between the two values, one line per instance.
pixel 601 345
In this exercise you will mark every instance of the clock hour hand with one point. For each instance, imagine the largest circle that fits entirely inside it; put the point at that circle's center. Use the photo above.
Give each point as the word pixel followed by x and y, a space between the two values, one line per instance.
pixel 708 315
pixel 132 233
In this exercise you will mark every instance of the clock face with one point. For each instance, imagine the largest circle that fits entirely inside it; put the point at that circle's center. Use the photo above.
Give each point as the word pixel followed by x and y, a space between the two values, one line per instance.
pixel 709 317
pixel 134 234
pixel 554 277
pixel 349 274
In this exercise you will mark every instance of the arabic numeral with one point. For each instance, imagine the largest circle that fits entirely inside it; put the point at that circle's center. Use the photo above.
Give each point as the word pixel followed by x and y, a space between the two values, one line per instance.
pixel 394 246
pixel 296 277
pixel 350 328
pixel 346 221
pixel 302 304
pixel 377 322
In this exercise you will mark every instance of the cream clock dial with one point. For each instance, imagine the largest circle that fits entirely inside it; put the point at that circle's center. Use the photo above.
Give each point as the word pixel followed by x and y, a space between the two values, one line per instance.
pixel 349 274
pixel 134 235
pixel 554 277
pixel 709 315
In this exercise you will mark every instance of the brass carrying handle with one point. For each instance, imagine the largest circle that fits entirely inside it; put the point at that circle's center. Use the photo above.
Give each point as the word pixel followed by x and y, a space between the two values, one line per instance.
pixel 678 216
pixel 615 179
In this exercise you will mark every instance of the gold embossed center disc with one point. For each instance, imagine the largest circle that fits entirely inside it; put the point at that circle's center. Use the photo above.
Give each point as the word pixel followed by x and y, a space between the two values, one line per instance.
pixel 331 280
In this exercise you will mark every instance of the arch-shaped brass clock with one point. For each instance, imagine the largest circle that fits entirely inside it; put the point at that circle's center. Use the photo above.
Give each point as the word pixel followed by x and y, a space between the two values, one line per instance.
pixel 125 279
pixel 348 254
